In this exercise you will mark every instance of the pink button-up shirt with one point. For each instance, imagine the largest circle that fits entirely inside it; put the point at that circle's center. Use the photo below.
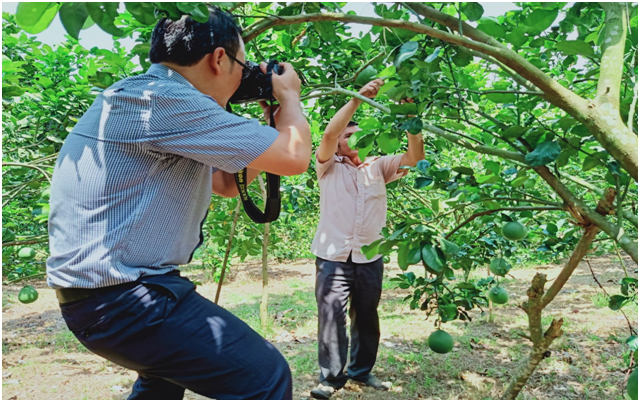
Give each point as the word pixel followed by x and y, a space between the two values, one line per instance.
pixel 353 205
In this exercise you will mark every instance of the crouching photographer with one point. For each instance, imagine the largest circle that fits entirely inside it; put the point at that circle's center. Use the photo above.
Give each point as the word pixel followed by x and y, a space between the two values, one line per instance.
pixel 130 191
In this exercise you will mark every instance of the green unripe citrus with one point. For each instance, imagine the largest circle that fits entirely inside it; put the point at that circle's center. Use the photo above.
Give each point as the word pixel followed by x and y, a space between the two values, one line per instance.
pixel 632 385
pixel 28 295
pixel 498 295
pixel 499 266
pixel 26 253
pixel 440 342
pixel 514 231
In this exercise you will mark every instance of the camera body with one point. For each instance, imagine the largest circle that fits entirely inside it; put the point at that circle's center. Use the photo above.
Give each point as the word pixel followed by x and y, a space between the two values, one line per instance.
pixel 256 86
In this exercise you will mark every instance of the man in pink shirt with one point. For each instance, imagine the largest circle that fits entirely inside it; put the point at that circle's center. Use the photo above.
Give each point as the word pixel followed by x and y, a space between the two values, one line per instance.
pixel 353 211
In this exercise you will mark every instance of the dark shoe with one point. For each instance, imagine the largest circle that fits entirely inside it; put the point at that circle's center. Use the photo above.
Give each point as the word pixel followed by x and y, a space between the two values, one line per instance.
pixel 374 382
pixel 322 391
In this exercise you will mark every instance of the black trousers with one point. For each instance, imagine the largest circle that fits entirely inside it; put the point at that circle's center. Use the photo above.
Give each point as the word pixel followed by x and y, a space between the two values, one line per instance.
pixel 176 339
pixel 336 283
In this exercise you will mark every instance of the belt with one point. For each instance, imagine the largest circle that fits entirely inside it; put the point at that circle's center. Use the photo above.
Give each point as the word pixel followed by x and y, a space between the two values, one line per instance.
pixel 70 295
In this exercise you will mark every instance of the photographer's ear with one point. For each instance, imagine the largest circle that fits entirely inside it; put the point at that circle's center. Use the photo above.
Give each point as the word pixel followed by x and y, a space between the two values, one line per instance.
pixel 217 60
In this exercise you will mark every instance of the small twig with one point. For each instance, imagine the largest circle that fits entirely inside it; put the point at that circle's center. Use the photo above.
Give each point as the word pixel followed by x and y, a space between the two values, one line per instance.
pixel 633 332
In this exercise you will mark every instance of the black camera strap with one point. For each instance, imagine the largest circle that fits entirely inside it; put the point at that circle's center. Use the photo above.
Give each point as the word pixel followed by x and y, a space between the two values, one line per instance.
pixel 272 206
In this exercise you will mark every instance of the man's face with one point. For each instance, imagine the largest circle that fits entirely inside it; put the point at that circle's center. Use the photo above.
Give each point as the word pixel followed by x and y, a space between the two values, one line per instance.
pixel 236 68
pixel 343 143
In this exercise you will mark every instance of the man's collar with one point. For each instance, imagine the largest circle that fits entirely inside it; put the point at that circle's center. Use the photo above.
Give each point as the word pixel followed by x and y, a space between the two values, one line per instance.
pixel 160 70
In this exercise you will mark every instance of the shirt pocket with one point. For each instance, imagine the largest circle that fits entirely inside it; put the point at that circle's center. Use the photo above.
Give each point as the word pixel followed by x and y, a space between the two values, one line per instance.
pixel 376 188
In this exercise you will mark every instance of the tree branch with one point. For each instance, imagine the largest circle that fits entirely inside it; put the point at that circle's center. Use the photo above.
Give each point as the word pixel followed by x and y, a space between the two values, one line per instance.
pixel 491 211
pixel 614 35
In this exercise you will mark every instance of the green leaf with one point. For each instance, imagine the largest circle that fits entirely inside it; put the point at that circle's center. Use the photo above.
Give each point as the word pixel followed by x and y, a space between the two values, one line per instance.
pixel 326 30
pixel 366 75
pixel 544 154
pixel 142 12
pixel 404 109
pixel 406 51
pixel 35 17
pixel 472 10
pixel 590 163
pixel 491 27
pixel 186 7
pixel 448 247
pixel 415 126
pixel 365 42
pixel 415 255
pixel 517 37
pixel 464 170
pixel 488 179
pixel 617 302
pixel 423 182
pixel 386 246
pixel 461 58
pixel 104 14
pixel 433 259
pixel 433 55
pixel 500 98
pixel 363 152
pixel 518 182
pixel 513 132
pixel 9 91
pixel 370 250
pixel 141 48
pixel 539 20
pixel 574 47
pixel 369 123
pixel 387 144
pixel 73 16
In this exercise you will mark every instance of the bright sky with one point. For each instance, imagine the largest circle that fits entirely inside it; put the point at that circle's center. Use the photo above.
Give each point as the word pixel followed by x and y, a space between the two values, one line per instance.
pixel 95 36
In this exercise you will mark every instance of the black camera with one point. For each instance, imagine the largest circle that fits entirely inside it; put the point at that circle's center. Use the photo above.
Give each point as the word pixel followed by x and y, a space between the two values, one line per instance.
pixel 256 85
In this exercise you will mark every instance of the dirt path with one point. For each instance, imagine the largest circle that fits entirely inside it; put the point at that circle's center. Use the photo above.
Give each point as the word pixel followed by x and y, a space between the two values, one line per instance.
pixel 42 360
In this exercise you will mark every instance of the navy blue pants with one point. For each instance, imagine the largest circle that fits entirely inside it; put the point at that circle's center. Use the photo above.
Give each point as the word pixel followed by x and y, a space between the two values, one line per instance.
pixel 176 339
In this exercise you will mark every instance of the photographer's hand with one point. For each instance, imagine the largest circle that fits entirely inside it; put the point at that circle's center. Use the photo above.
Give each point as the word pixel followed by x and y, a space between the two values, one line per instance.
pixel 266 112
pixel 290 153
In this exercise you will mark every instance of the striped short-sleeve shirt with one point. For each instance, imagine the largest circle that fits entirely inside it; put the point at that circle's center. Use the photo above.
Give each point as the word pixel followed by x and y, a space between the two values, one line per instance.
pixel 132 184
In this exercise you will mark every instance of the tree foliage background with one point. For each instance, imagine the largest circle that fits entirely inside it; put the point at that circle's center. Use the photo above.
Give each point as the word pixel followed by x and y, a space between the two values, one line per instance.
pixel 529 116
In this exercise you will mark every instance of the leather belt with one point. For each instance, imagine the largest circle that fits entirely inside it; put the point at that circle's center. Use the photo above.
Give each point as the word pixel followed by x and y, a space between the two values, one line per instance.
pixel 70 295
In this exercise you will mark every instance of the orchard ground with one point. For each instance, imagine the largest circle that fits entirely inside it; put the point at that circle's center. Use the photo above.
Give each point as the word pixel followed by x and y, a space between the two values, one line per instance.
pixel 42 360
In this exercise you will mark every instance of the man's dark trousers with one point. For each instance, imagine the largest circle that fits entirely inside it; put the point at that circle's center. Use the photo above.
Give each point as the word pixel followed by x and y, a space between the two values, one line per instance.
pixel 176 339
pixel 336 283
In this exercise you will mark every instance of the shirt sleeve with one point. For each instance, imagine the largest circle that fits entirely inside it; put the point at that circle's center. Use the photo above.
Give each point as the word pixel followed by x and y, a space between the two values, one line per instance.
pixel 323 167
pixel 388 166
pixel 186 122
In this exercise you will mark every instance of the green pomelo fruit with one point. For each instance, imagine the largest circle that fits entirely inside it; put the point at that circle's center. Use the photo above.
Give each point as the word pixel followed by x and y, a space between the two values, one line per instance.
pixel 498 295
pixel 26 253
pixel 366 75
pixel 514 231
pixel 440 342
pixel 632 385
pixel 28 295
pixel 499 266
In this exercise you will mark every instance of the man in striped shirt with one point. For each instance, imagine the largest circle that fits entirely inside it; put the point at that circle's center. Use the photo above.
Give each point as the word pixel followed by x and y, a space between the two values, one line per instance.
pixel 131 189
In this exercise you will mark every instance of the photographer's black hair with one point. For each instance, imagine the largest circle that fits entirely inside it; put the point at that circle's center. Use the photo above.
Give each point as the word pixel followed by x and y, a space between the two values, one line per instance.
pixel 352 123
pixel 185 42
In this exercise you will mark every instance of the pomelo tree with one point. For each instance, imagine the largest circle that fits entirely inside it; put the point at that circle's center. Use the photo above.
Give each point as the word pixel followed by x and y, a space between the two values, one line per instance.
pixel 528 118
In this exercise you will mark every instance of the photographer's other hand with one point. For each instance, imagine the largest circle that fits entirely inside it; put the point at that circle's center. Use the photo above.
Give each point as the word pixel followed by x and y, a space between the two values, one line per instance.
pixel 266 112
pixel 286 87
pixel 290 153
pixel 371 89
